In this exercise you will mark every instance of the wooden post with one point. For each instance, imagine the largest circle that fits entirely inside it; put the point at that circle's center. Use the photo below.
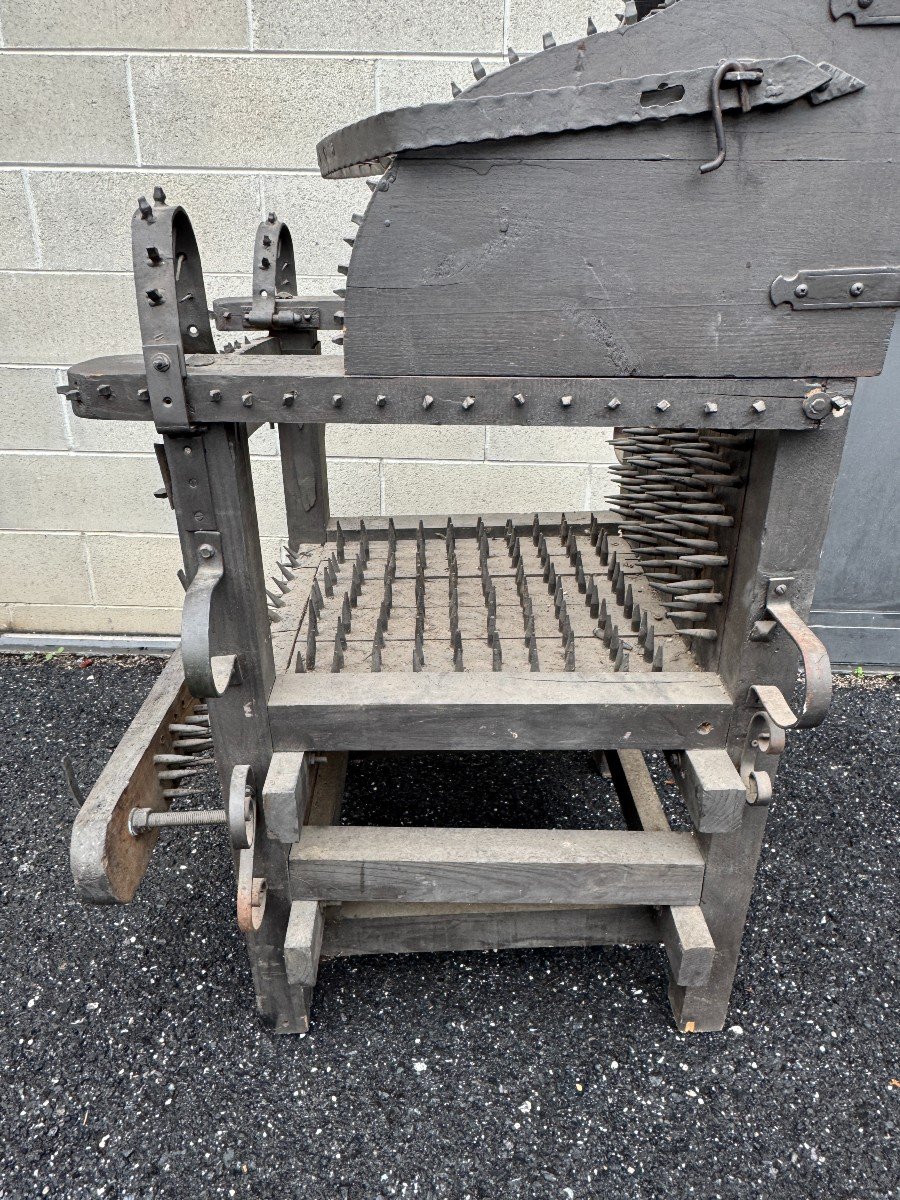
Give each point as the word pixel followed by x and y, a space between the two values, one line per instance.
pixel 304 470
pixel 239 719
pixel 792 480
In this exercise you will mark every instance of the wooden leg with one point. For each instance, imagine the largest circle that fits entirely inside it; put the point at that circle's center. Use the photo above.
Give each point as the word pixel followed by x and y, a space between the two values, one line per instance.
pixel 305 475
pixel 731 860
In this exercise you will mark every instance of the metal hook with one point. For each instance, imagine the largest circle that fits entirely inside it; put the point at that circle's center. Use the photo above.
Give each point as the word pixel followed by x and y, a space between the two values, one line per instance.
pixel 732 72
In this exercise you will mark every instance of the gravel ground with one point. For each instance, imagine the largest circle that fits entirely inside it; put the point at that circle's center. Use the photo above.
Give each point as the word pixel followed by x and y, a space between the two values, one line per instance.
pixel 134 1066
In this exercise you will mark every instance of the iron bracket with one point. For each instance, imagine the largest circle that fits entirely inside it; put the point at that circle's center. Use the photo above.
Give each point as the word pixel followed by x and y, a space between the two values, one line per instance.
pixel 274 272
pixel 867 12
pixel 206 674
pixel 816 664
pixel 839 287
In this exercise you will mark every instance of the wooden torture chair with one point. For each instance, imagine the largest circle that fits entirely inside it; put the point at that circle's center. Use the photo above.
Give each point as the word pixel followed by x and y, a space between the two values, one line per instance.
pixel 684 229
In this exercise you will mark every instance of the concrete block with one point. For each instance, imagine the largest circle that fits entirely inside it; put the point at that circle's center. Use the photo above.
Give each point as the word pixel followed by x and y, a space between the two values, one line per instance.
pixel 16 235
pixel 83 102
pixel 135 570
pixel 45 568
pixel 482 487
pixel 403 81
pixel 544 443
pixel 318 213
pixel 224 210
pixel 112 437
pixel 82 492
pixel 566 19
pixel 32 411
pixel 92 618
pixel 603 486
pixel 202 24
pixel 57 319
pixel 354 489
pixel 405 441
pixel 385 26
pixel 213 110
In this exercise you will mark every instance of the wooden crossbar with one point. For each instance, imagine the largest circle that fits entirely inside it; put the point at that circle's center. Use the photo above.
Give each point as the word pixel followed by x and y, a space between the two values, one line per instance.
pixel 496 866
pixel 475 711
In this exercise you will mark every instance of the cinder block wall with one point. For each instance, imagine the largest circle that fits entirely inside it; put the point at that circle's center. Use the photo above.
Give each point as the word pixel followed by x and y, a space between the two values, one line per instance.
pixel 221 102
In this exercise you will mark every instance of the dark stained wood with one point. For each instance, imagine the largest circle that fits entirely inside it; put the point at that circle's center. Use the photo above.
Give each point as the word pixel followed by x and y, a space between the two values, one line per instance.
pixel 636 790
pixel 711 788
pixel 688 944
pixel 386 928
pixel 500 866
pixel 108 863
pixel 472 711
pixel 317 381
pixel 612 243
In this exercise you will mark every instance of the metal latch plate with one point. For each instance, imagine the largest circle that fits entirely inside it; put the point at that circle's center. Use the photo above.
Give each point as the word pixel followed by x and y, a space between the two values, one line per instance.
pixel 839 287
pixel 868 12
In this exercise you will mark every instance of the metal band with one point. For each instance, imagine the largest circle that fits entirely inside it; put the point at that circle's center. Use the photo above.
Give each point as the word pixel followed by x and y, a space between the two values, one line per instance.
pixel 206 674
pixel 367 147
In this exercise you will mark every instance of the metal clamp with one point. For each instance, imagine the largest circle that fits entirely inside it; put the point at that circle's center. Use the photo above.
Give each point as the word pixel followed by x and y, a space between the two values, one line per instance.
pixel 838 287
pixel 816 664
pixel 205 674
pixel 274 273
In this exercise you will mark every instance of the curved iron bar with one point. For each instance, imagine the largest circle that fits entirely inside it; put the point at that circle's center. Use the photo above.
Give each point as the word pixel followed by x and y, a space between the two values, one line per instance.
pixel 732 72
pixel 206 674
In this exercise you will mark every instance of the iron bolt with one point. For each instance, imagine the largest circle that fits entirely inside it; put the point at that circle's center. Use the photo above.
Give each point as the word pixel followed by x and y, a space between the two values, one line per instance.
pixel 840 404
pixel 247 400
pixel 710 407
pixel 663 406
pixel 801 290
pixel 781 589
pixel 207 551
pixel 758 406
pixel 857 289
pixel 816 406
pixel 162 362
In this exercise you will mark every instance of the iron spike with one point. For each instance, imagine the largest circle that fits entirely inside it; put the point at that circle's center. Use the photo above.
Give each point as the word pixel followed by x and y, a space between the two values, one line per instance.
pixel 549 41
pixel 478 69
pixel 511 55
pixel 591 27
pixel 299 665
pixel 658 658
pixel 700 635
pixel 455 89
pixel 310 649
pixel 339 541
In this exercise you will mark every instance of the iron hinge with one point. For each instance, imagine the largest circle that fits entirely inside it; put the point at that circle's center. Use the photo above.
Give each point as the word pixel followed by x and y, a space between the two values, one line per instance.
pixel 839 287
pixel 868 12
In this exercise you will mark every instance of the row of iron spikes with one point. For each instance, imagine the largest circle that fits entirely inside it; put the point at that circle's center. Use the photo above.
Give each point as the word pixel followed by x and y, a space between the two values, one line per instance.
pixel 189 758
pixel 479 71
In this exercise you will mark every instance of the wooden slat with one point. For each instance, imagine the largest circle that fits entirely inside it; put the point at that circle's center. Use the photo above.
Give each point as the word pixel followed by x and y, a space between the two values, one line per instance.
pixel 480 711
pixel 688 944
pixel 711 787
pixel 316 380
pixel 286 795
pixel 303 942
pixel 385 928
pixel 636 790
pixel 107 862
pixel 499 866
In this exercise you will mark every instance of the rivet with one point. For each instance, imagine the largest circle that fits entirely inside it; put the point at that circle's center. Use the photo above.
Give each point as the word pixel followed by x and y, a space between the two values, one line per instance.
pixel 380 401
pixel 427 402
pixel 663 406
pixel 264 263
pixel 614 404
pixel 287 400
pixel 267 241
pixel 758 406
pixel 143 394
pixel 104 390
pixel 247 399
pixel 566 401
pixel 198 516
pixel 337 400
pixel 781 589
pixel 710 407
pixel 188 451
pixel 801 290
pixel 468 403
pixel 857 289
pixel 519 399
pixel 387 223
pixel 161 362
pixel 215 395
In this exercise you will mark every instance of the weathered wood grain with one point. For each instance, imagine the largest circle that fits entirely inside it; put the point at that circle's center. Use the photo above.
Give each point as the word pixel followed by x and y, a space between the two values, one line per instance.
pixel 499 866
pixel 286 795
pixel 565 711
pixel 316 381
pixel 385 928
pixel 108 863
pixel 711 788
pixel 303 942
pixel 688 944
pixel 636 790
